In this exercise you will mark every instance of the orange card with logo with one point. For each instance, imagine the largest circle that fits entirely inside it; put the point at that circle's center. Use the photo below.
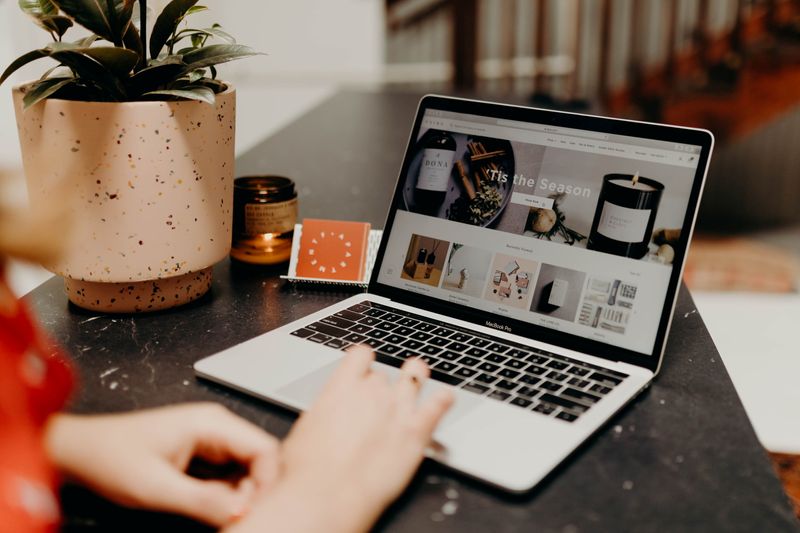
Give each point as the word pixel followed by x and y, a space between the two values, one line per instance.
pixel 333 249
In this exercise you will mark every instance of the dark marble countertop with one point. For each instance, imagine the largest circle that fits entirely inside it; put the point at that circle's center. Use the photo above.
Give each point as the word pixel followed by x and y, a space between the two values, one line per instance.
pixel 681 457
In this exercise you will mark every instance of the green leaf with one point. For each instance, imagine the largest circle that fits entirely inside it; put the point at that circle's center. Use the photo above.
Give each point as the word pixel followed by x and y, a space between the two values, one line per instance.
pixel 190 92
pixel 119 61
pixel 195 9
pixel 38 8
pixel 43 89
pixel 157 75
pixel 23 60
pixel 107 18
pixel 58 24
pixel 92 71
pixel 215 54
pixel 167 22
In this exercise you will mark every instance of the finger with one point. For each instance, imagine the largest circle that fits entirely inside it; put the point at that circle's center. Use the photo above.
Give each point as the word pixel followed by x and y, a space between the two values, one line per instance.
pixel 214 502
pixel 432 410
pixel 355 364
pixel 412 376
pixel 223 436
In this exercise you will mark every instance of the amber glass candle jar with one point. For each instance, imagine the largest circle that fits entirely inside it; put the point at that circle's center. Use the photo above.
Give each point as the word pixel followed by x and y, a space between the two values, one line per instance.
pixel 264 215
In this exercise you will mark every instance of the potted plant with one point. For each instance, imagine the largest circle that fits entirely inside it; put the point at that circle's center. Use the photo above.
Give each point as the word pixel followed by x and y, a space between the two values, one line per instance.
pixel 141 136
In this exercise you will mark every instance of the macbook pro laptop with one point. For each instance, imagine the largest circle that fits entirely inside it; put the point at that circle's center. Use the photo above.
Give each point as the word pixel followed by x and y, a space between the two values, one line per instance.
pixel 532 258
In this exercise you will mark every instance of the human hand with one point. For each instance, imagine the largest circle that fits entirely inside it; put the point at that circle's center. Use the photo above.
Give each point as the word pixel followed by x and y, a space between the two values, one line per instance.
pixel 140 459
pixel 353 452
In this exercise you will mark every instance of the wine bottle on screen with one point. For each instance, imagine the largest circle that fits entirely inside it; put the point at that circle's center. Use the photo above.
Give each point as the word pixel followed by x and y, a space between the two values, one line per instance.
pixel 434 172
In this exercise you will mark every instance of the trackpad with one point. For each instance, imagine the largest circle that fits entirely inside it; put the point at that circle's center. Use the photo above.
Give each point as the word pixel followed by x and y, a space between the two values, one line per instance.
pixel 302 392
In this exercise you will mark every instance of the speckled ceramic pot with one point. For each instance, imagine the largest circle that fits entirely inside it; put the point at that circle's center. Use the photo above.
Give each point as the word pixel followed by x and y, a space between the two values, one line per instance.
pixel 151 188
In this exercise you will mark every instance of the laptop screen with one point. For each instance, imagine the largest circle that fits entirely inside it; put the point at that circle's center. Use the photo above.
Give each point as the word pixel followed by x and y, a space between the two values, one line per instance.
pixel 567 229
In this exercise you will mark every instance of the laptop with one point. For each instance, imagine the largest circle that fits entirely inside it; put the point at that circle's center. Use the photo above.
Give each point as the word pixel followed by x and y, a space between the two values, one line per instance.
pixel 532 258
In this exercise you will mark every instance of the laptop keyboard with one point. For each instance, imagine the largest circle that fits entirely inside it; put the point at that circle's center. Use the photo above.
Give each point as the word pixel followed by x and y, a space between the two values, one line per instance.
pixel 528 378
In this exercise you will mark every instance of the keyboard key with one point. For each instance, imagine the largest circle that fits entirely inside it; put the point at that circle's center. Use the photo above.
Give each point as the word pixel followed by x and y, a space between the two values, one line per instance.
pixel 390 349
pixel 578 371
pixel 355 338
pixel 373 343
pixel 584 397
pixel 302 333
pixel 515 363
pixel 475 387
pixel 430 361
pixel 497 348
pixel 349 315
pixel 333 331
pixel 435 374
pixel 412 344
pixel 425 326
pixel 488 367
pixel 580 383
pixel 377 334
pixel 508 373
pixel 476 352
pixel 405 354
pixel 442 332
pixel 486 378
pixel 408 322
pixel 360 328
pixel 506 384
pixel 494 358
pixel 558 365
pixel 499 395
pixel 446 366
pixel 392 317
pixel 538 370
pixel 450 356
pixel 419 336
pixel 465 372
pixel 374 312
pixel 599 389
pixel 605 379
pixel 557 376
pixel 457 346
pixel 528 392
pixel 368 321
pixel 479 342
pixel 544 408
pixel 430 350
pixel 518 353
pixel 537 359
pixel 338 322
pixel 404 331
pixel 386 326
pixel 339 344
pixel 460 337
pixel 468 361
pixel 529 380
pixel 394 339
pixel 319 338
pixel 358 308
pixel 522 402
pixel 563 402
pixel 549 385
pixel 569 417
pixel 439 341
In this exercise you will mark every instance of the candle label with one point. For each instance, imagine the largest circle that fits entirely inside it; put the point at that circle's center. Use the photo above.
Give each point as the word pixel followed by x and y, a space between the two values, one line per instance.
pixel 279 217
pixel 434 172
pixel 623 223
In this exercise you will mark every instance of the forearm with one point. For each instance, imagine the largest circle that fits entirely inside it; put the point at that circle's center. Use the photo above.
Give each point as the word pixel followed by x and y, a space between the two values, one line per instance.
pixel 298 508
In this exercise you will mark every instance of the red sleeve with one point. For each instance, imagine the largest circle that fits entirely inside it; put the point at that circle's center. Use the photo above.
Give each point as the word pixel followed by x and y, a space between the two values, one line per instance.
pixel 35 381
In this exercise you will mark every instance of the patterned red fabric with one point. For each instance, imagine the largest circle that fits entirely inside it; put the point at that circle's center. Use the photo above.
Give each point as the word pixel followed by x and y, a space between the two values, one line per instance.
pixel 35 382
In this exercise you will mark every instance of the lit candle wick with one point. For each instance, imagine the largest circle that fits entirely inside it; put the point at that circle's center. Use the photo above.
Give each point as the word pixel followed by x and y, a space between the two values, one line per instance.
pixel 635 179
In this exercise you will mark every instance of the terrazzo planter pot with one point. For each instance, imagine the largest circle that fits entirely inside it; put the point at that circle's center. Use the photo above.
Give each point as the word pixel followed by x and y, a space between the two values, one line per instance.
pixel 151 189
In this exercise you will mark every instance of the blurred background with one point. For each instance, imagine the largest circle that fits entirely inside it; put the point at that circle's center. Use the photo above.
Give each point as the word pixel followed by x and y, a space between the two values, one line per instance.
pixel 732 66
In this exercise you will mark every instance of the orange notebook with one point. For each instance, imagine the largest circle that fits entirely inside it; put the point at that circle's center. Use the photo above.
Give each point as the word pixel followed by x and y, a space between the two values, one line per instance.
pixel 333 249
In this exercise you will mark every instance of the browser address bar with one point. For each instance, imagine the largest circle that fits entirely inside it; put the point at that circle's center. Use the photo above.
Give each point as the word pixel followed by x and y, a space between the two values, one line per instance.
pixel 552 129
